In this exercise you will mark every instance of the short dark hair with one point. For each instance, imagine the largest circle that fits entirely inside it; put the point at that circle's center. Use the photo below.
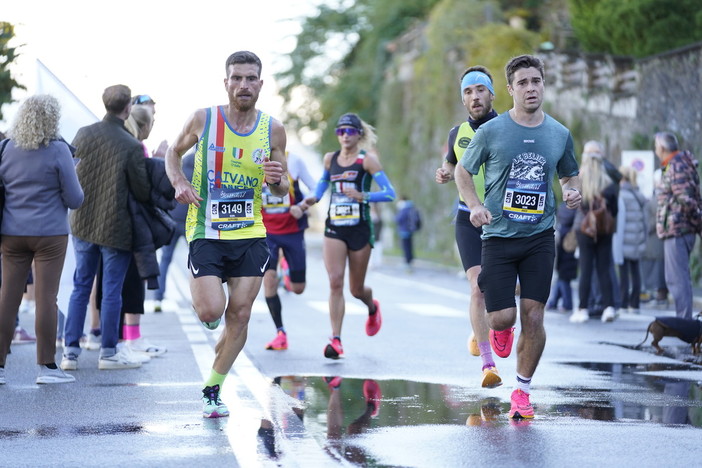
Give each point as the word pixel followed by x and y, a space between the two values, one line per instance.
pixel 523 61
pixel 116 98
pixel 244 56
pixel 478 68
pixel 668 141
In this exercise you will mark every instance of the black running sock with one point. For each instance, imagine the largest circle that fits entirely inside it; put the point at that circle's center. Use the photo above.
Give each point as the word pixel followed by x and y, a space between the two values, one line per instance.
pixel 52 366
pixel 275 308
pixel 375 309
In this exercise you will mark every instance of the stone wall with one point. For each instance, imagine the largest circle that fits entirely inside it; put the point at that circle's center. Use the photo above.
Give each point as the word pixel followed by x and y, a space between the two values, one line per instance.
pixel 622 102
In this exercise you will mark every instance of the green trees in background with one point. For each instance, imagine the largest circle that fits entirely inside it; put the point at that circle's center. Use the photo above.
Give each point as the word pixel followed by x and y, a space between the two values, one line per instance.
pixel 7 56
pixel 635 27
pixel 338 63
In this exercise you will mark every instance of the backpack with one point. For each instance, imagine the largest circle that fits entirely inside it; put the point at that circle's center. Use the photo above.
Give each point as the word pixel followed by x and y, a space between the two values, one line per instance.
pixel 415 220
pixel 598 221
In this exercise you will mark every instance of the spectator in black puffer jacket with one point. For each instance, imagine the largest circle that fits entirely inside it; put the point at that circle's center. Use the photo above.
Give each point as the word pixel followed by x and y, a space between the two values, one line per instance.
pixel 153 228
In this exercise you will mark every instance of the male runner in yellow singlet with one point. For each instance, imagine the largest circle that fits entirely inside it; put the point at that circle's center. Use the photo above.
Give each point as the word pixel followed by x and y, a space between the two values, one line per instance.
pixel 238 149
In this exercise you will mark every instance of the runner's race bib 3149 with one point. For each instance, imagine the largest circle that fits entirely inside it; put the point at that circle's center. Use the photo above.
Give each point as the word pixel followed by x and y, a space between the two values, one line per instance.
pixel 231 208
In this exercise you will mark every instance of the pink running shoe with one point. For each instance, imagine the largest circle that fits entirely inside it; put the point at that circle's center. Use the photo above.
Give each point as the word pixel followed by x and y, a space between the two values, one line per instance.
pixel 279 343
pixel 22 336
pixel 521 407
pixel 373 395
pixel 332 382
pixel 334 350
pixel 501 341
pixel 374 321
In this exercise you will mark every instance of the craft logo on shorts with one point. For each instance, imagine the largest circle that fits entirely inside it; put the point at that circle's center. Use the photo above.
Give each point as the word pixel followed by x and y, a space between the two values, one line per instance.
pixel 238 153
pixel 257 156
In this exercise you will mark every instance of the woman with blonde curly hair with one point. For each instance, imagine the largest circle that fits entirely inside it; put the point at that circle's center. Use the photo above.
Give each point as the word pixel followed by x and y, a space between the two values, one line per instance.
pixel 37 171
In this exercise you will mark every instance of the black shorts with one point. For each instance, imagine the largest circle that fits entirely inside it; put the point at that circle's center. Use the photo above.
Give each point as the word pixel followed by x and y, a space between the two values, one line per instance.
pixel 468 240
pixel 228 258
pixel 293 246
pixel 355 237
pixel 529 258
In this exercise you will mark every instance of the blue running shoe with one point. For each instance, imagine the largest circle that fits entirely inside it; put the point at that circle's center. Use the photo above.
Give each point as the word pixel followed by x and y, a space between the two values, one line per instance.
pixel 212 325
pixel 213 406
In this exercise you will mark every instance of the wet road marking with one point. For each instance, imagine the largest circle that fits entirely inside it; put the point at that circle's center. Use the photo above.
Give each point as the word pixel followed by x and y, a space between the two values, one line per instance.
pixel 248 393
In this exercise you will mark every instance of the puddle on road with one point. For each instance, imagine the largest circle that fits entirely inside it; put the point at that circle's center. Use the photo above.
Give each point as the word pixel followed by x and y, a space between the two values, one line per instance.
pixel 335 409
pixel 88 430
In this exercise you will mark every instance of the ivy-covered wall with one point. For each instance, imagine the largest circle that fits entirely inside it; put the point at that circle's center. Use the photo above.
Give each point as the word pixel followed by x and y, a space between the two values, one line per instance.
pixel 420 103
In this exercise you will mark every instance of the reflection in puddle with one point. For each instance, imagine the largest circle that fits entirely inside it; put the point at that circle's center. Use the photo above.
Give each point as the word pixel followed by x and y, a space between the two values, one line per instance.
pixel 337 408
pixel 656 399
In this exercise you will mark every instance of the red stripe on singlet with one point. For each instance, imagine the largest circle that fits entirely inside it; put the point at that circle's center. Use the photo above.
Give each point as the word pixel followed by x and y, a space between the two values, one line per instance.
pixel 219 155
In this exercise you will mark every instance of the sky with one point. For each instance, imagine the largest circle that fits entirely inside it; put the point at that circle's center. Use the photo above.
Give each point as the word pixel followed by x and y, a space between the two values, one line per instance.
pixel 173 51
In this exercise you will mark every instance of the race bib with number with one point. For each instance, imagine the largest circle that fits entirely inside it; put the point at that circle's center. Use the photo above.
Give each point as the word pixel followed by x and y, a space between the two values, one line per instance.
pixel 524 200
pixel 273 204
pixel 344 210
pixel 231 208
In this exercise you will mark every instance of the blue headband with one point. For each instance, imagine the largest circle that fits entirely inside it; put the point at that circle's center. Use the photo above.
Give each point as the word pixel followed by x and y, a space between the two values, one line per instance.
pixel 476 78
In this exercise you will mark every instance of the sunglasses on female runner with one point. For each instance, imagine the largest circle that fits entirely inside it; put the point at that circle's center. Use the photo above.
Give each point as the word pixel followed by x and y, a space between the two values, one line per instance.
pixel 350 131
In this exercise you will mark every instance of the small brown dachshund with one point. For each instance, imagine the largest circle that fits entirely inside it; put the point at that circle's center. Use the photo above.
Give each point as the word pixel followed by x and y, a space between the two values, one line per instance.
pixel 688 330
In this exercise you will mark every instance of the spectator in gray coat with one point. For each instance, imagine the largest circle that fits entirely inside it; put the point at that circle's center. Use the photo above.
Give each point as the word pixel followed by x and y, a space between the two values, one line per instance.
pixel 41 184
pixel 629 241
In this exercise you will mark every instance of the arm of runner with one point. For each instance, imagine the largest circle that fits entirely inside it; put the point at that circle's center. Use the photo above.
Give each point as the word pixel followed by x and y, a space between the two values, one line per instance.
pixel 322 185
pixel 571 191
pixel 386 192
pixel 186 139
pixel 479 215
pixel 275 168
pixel 445 173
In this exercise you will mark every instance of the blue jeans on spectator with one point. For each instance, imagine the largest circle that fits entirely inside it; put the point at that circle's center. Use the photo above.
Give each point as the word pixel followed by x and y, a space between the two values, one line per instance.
pixel 115 263
pixel 166 258
pixel 677 272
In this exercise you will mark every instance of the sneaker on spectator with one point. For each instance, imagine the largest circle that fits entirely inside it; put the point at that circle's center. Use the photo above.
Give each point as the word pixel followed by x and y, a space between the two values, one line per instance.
pixel 334 350
pixel 501 341
pixel 119 360
pixel 213 406
pixel 27 306
pixel 142 345
pixel 374 321
pixel 142 358
pixel 609 314
pixel 491 378
pixel 2 376
pixel 91 341
pixel 22 336
pixel 520 406
pixel 69 361
pixel 579 316
pixel 473 345
pixel 279 343
pixel 157 307
pixel 53 376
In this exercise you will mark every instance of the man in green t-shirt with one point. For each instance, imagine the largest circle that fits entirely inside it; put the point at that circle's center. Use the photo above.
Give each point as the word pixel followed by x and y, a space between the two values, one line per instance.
pixel 520 152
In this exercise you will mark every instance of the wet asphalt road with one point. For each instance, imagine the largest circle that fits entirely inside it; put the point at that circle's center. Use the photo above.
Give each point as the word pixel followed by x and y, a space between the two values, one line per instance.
pixel 598 402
